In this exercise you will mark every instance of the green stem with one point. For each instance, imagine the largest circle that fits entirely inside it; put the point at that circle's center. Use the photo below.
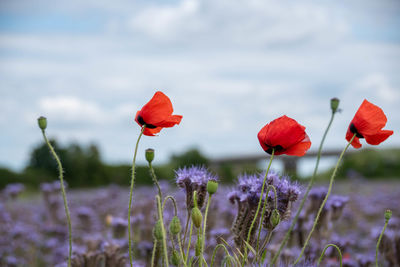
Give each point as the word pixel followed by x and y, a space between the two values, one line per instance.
pixel 61 176
pixel 379 242
pixel 186 228
pixel 325 199
pixel 153 255
pixel 310 184
pixel 266 240
pixel 155 181
pixel 173 202
pixel 160 216
pixel 181 250
pixel 204 225
pixel 323 254
pixel 263 211
pixel 215 252
pixel 258 207
pixel 201 252
pixel 130 196
pixel 189 241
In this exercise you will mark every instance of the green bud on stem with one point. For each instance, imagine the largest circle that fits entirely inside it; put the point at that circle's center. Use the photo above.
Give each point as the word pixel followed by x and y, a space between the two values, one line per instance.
pixel 334 104
pixel 149 155
pixel 42 121
pixel 275 218
pixel 175 226
pixel 197 217
pixel 212 187
pixel 388 215
pixel 157 230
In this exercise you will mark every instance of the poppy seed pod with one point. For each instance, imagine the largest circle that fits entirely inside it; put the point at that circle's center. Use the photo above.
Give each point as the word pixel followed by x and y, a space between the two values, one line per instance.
pixel 42 121
pixel 334 104
pixel 275 218
pixel 212 187
pixel 149 155
pixel 197 217
pixel 175 226
pixel 157 230
pixel 388 215
pixel 175 258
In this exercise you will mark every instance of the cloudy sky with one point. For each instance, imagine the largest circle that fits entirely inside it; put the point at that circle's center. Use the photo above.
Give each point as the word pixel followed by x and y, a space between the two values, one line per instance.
pixel 229 67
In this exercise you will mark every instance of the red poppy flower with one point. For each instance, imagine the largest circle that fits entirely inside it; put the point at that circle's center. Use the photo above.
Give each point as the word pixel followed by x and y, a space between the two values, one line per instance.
pixel 368 123
pixel 157 114
pixel 285 136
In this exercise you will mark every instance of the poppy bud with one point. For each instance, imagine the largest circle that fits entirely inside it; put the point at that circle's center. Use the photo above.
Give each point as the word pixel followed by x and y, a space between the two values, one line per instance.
pixel 42 121
pixel 149 155
pixel 199 245
pixel 388 215
pixel 212 187
pixel 175 258
pixel 197 218
pixel 334 104
pixel 275 218
pixel 175 226
pixel 157 230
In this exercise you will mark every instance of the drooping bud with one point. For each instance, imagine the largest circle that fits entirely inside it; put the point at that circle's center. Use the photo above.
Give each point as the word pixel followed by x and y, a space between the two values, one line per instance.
pixel 42 121
pixel 334 104
pixel 388 215
pixel 175 259
pixel 212 187
pixel 275 218
pixel 149 155
pixel 197 217
pixel 175 226
pixel 157 230
pixel 199 245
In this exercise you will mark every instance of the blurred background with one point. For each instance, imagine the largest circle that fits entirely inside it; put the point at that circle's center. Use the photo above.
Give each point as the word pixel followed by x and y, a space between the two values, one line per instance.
pixel 229 68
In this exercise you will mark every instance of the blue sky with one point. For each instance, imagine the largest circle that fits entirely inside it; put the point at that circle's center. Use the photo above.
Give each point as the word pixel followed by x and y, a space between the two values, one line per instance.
pixel 228 66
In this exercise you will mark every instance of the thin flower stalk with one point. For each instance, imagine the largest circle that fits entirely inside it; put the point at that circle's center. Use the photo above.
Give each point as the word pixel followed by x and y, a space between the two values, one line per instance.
pixel 160 216
pixel 61 176
pixel 325 199
pixel 215 252
pixel 154 178
pixel 130 197
pixel 323 254
pixel 303 201
pixel 388 215
pixel 258 207
pixel 204 225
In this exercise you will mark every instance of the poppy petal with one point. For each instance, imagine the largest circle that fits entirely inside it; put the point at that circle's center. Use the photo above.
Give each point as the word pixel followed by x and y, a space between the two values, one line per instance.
pixel 283 131
pixel 299 149
pixel 171 121
pixel 369 119
pixel 158 109
pixel 152 132
pixel 356 142
pixel 378 138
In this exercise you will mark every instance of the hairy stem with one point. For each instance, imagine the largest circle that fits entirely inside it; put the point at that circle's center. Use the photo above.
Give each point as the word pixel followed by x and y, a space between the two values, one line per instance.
pixel 154 178
pixel 310 184
pixel 325 199
pixel 323 254
pixel 164 239
pixel 130 197
pixel 61 176
pixel 258 207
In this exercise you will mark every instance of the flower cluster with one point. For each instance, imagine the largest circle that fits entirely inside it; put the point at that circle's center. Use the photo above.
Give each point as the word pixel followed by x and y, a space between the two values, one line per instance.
pixel 192 179
pixel 247 195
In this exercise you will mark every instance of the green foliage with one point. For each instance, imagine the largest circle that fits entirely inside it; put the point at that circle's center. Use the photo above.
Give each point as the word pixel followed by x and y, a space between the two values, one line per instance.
pixel 188 158
pixel 369 163
pixel 372 163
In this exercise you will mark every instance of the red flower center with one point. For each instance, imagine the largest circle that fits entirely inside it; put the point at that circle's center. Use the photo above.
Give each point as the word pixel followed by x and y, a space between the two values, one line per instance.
pixel 142 122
